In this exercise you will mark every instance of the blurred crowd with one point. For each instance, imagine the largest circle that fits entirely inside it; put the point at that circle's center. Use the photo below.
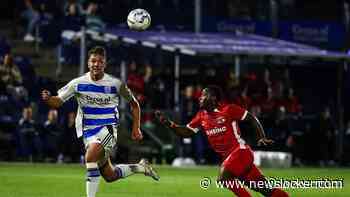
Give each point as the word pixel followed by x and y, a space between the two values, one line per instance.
pixel 25 137
pixel 49 141
pixel 29 131
pixel 55 15
pixel 268 94
pixel 34 132
pixel 46 19
pixel 310 138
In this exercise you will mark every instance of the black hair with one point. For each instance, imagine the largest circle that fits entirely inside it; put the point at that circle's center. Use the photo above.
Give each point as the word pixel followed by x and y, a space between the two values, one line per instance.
pixel 98 50
pixel 216 91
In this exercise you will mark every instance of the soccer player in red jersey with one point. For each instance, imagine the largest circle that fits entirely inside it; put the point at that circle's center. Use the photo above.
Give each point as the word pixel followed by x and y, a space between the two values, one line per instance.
pixel 219 121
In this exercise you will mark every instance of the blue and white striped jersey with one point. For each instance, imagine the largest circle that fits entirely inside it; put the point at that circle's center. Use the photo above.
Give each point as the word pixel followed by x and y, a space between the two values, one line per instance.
pixel 97 102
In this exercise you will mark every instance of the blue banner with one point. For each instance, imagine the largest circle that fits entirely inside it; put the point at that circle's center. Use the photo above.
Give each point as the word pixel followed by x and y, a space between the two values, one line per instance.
pixel 253 27
pixel 224 43
pixel 326 35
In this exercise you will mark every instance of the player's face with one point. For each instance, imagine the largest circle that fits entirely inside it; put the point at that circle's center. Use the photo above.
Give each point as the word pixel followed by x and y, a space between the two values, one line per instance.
pixel 97 64
pixel 204 99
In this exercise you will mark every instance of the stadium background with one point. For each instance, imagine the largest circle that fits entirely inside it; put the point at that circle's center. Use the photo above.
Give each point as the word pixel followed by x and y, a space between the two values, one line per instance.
pixel 301 101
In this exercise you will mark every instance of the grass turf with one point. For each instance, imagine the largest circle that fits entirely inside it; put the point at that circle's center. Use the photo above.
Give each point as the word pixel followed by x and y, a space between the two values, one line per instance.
pixel 51 180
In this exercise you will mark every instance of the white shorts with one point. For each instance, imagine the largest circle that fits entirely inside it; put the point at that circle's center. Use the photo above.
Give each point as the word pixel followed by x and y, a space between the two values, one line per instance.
pixel 108 139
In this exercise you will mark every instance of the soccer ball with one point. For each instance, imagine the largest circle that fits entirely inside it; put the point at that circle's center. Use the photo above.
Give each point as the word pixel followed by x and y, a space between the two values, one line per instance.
pixel 139 19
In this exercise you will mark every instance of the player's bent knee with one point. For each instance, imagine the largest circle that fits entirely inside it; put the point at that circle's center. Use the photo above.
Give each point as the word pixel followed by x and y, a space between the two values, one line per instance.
pixel 93 153
pixel 225 175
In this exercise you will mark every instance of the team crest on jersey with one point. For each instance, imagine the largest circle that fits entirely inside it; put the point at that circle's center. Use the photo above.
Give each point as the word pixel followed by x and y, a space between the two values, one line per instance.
pixel 220 120
pixel 108 89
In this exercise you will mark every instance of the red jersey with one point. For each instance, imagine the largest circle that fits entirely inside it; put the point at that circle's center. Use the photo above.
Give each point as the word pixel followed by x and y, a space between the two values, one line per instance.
pixel 221 127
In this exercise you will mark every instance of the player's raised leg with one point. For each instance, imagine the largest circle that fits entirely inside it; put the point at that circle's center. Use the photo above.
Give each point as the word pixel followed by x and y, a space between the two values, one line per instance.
pixel 234 185
pixel 239 164
pixel 112 173
pixel 93 153
pixel 255 175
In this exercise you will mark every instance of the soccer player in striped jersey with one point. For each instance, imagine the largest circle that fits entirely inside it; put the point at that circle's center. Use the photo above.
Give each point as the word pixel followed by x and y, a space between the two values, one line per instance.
pixel 219 122
pixel 97 94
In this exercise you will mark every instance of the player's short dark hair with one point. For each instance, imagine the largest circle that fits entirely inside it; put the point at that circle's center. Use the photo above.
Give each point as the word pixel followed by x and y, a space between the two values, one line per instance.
pixel 97 50
pixel 216 91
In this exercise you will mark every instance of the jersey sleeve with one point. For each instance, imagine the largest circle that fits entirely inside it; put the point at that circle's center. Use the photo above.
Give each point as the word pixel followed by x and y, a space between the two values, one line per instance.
pixel 195 123
pixel 67 91
pixel 123 90
pixel 236 112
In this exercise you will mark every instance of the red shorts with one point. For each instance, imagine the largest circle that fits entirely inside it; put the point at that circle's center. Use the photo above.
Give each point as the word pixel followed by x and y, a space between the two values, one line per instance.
pixel 240 161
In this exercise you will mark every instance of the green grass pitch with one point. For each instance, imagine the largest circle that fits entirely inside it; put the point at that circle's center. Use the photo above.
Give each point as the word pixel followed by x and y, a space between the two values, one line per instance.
pixel 51 180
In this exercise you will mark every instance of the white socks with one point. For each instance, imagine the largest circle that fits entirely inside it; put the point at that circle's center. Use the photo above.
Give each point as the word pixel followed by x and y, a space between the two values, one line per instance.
pixel 92 179
pixel 125 170
pixel 121 170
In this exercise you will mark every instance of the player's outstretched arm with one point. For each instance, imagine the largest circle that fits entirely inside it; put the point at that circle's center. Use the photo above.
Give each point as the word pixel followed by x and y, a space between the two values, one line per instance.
pixel 51 101
pixel 252 120
pixel 182 131
pixel 126 93
pixel 136 115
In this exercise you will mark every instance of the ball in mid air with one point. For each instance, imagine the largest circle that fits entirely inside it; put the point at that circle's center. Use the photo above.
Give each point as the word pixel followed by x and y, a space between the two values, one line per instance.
pixel 139 19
